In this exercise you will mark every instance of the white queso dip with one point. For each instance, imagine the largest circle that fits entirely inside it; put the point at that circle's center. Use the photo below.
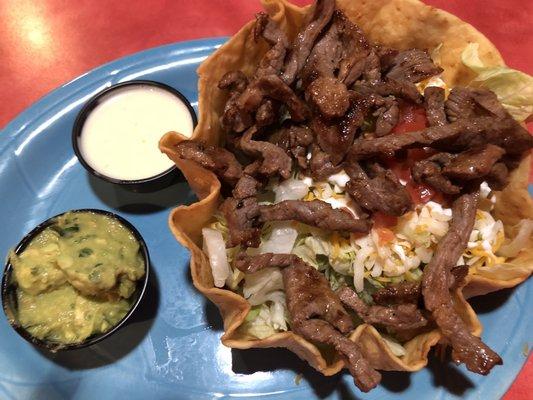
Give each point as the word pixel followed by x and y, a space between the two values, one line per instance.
pixel 120 136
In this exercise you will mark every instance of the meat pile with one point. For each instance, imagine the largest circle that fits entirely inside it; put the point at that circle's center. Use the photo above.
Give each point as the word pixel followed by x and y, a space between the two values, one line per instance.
pixel 329 101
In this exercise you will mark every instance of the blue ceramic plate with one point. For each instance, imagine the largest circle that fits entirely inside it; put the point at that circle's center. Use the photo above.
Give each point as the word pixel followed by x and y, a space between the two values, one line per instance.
pixel 172 348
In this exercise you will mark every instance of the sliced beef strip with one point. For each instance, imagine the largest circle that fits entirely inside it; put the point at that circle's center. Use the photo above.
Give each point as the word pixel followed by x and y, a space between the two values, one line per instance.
pixel 250 264
pixel 398 293
pixel 325 56
pixel 339 49
pixel 386 57
pixel 401 89
pixel 267 113
pixel 379 191
pixel 387 116
pixel 429 171
pixel 241 217
pixel 398 317
pixel 309 297
pixel 465 103
pixel 488 100
pixel 273 87
pixel 355 48
pixel 498 176
pixel 317 300
pixel 413 65
pixel 274 161
pixel 456 136
pixel 410 292
pixel 365 377
pixel 434 104
pixel 316 213
pixel 460 105
pixel 330 97
pixel 466 348
pixel 247 102
pixel 372 68
pixel 473 164
pixel 233 118
pixel 295 140
pixel 329 138
pixel 272 62
pixel 321 165
pixel 305 40
pixel 245 187
pixel 233 81
pixel 216 159
pixel 336 136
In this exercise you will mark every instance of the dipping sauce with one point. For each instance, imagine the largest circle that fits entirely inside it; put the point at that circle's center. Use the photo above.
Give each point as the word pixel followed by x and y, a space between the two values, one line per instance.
pixel 120 136
pixel 76 278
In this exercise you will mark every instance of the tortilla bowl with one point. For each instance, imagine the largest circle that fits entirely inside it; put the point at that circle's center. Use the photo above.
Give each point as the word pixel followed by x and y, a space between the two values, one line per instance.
pixel 394 23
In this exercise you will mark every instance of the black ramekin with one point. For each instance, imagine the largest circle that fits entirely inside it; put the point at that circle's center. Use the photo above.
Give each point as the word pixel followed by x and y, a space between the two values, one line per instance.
pixel 9 302
pixel 150 184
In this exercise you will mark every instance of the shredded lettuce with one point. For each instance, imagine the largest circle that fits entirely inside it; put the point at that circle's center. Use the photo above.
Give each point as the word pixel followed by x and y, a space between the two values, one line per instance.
pixel 259 286
pixel 265 320
pixel 513 88
pixel 309 247
pixel 268 318
pixel 216 251
pixel 281 239
pixel 291 189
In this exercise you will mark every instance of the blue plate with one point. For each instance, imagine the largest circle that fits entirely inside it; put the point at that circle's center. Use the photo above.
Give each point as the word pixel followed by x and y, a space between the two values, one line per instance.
pixel 172 349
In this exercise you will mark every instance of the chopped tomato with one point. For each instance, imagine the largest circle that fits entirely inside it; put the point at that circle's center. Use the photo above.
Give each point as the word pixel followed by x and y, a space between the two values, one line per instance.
pixel 385 235
pixel 412 118
pixel 382 220
pixel 420 194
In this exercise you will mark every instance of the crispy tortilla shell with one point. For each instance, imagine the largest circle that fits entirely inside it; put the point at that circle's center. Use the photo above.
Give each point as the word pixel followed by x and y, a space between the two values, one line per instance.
pixel 395 23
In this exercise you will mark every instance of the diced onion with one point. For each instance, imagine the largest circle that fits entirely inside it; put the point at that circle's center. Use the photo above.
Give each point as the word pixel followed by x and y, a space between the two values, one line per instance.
pixel 358 277
pixel 281 239
pixel 216 251
pixel 291 189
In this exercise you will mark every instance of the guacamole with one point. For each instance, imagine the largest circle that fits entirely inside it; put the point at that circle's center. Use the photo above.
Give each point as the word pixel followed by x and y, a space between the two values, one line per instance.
pixel 76 278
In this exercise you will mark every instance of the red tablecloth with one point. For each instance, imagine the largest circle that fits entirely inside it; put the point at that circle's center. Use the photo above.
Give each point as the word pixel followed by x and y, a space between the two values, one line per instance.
pixel 45 43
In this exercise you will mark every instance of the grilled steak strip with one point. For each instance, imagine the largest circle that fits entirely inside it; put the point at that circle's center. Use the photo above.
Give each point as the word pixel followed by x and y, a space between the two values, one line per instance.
pixel 381 191
pixel 272 159
pixel 272 61
pixel 410 292
pixel 241 212
pixel 217 159
pixel 473 164
pixel 456 136
pixel 429 171
pixel 434 104
pixel 466 348
pixel 465 103
pixel 295 140
pixel 316 313
pixel 321 166
pixel 305 40
pixel 399 316
pixel 315 213
pixel 413 65
pixel 365 377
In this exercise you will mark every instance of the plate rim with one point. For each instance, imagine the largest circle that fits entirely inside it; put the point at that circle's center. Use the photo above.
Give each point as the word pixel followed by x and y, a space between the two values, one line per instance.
pixel 56 97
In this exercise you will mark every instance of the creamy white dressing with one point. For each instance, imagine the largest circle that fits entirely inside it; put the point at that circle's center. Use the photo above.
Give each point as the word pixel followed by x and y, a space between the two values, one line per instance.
pixel 120 136
pixel 340 179
pixel 345 202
